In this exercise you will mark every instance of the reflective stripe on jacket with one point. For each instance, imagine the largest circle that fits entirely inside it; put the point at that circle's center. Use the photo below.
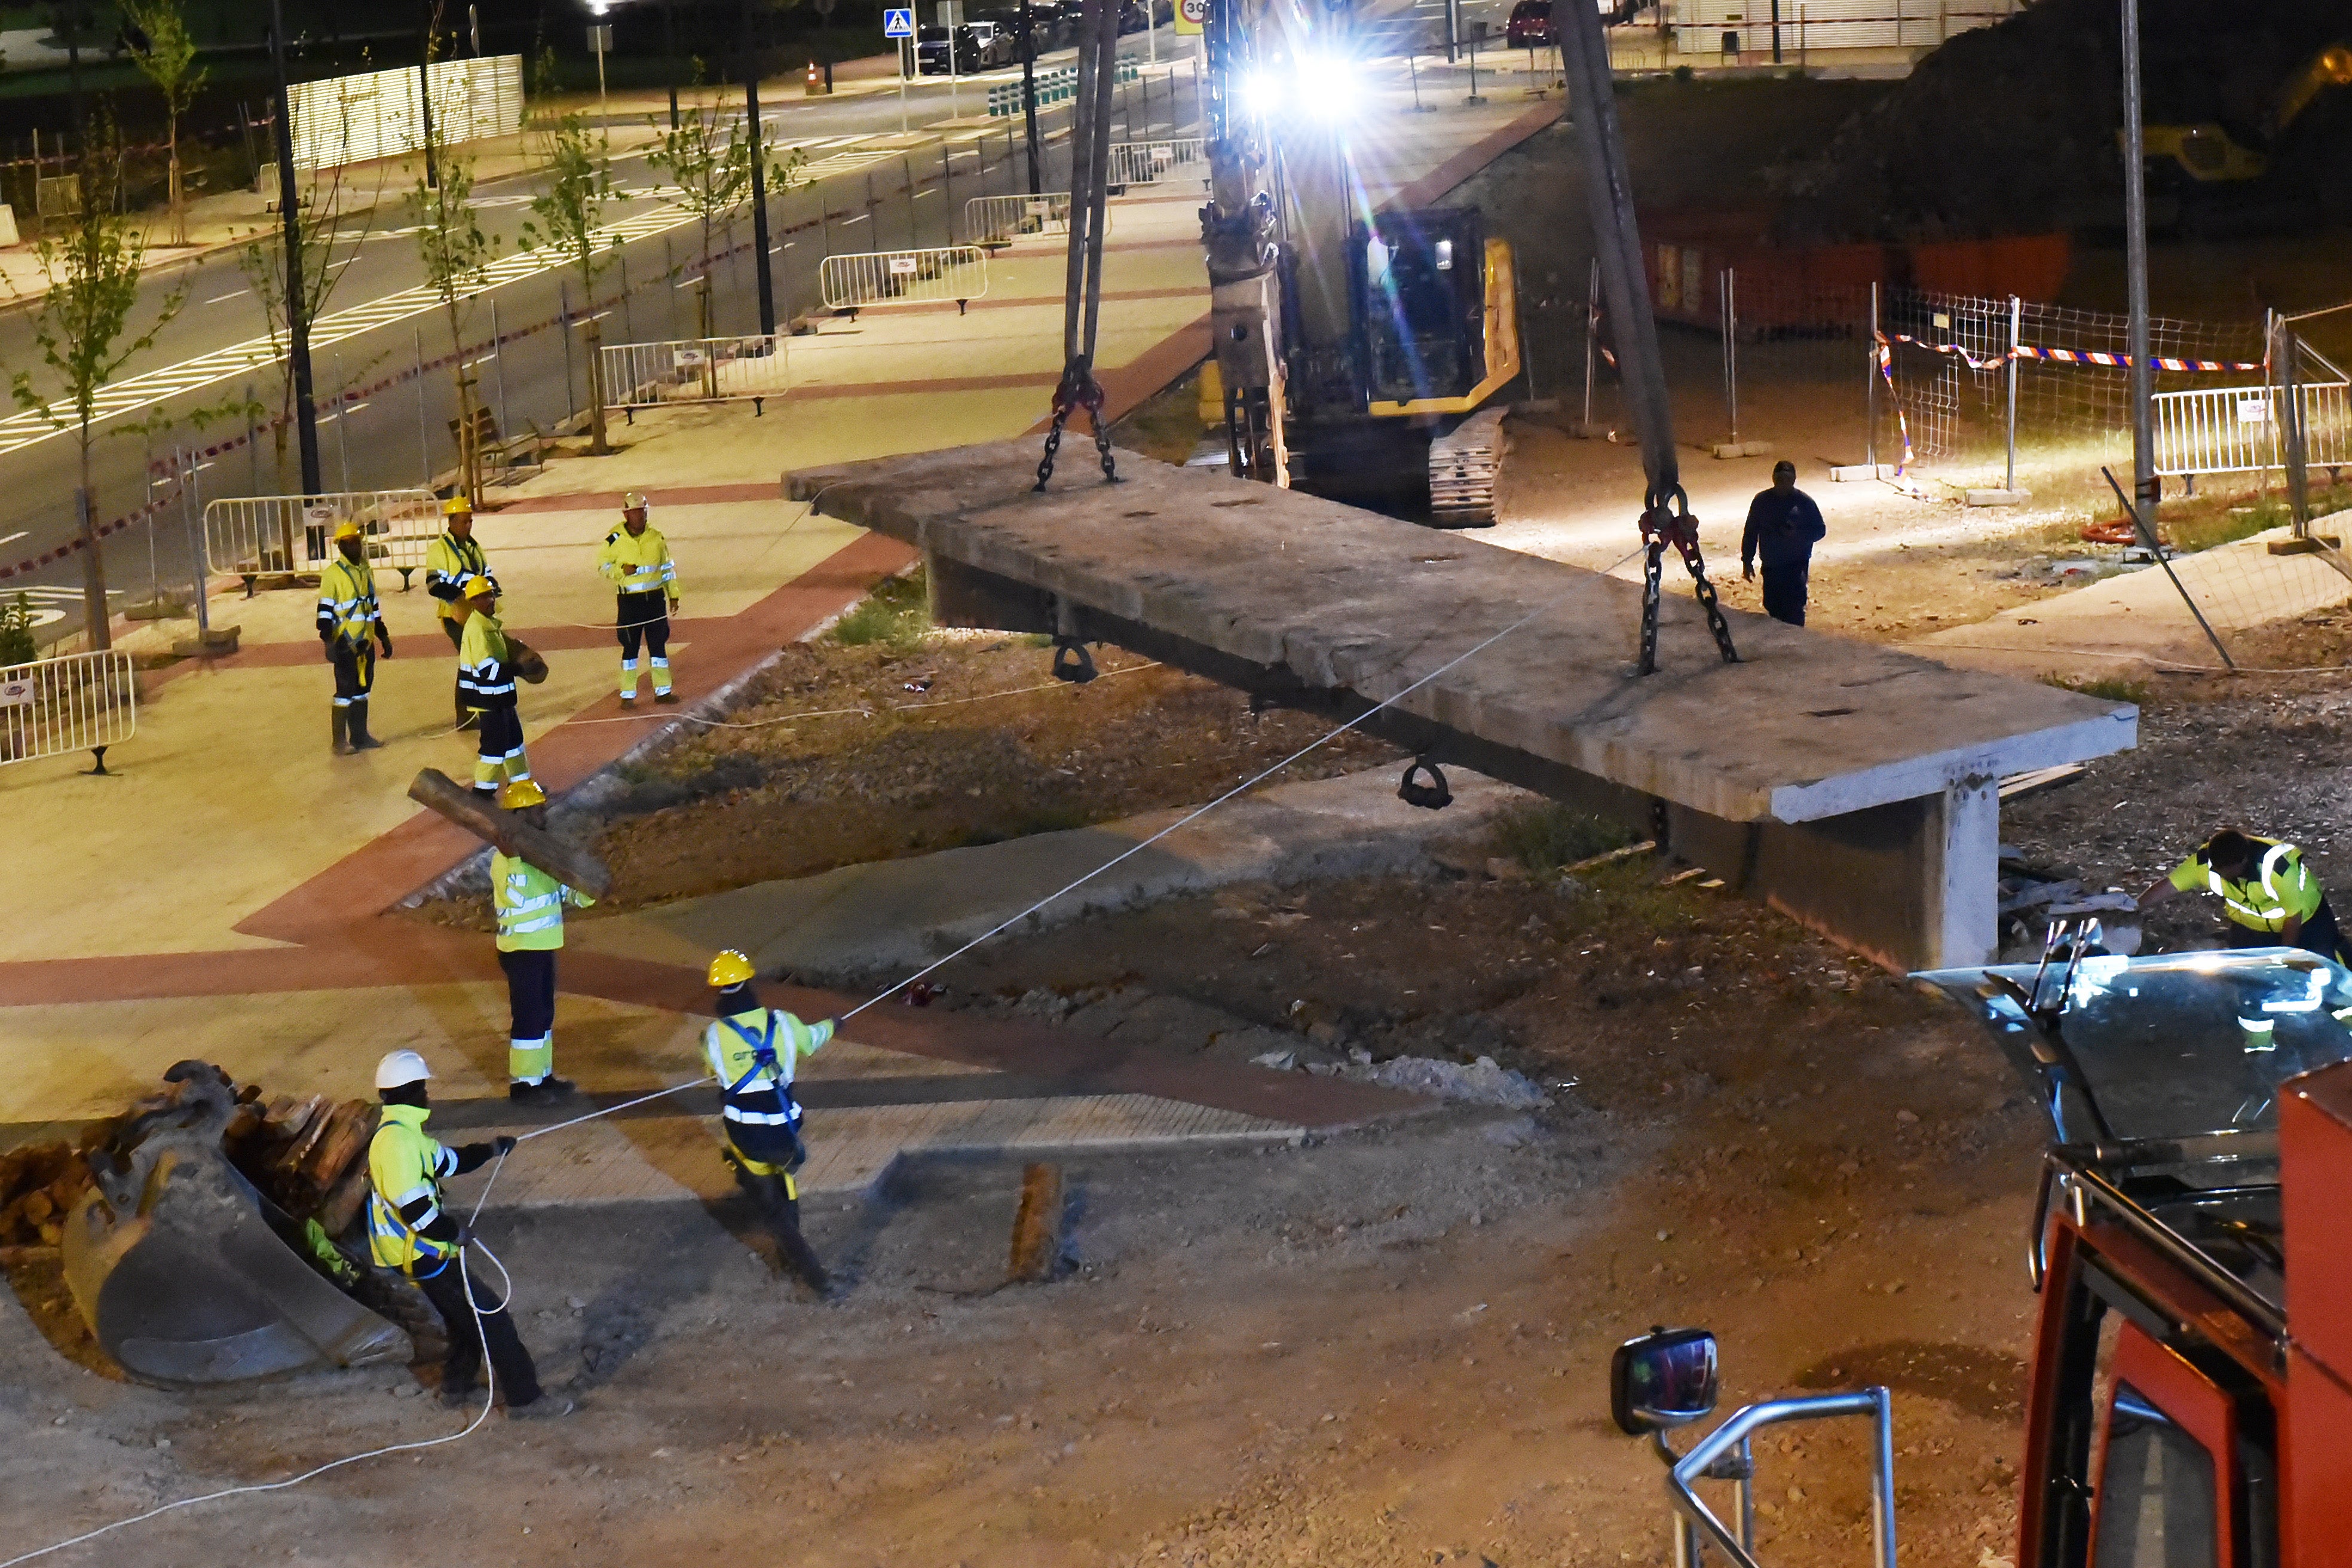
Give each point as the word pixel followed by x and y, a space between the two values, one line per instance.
pixel 529 904
pixel 2281 886
pixel 404 1168
pixel 347 603
pixel 483 678
pixel 754 1055
pixel 450 563
pixel 638 565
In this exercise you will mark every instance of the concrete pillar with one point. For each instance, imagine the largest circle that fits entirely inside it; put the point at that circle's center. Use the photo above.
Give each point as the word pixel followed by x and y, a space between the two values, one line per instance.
pixel 1963 874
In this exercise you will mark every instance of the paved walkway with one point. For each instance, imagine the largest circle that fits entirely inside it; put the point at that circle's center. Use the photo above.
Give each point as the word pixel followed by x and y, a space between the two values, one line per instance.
pixel 224 897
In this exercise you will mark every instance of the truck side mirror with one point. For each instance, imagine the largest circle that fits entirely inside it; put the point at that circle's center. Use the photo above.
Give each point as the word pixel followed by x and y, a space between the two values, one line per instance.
pixel 1664 1378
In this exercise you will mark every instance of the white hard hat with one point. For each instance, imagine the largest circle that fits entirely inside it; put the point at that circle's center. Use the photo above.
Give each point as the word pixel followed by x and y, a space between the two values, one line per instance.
pixel 400 1069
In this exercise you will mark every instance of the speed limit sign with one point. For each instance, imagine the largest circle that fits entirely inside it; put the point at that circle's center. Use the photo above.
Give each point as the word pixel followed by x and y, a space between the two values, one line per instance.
pixel 1190 15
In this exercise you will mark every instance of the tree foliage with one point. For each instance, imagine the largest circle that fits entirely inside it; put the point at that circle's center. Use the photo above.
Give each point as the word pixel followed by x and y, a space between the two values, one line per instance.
pixel 165 55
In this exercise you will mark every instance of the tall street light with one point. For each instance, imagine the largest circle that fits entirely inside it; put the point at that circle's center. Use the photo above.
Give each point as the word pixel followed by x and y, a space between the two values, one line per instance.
pixel 297 322
pixel 759 180
pixel 2143 374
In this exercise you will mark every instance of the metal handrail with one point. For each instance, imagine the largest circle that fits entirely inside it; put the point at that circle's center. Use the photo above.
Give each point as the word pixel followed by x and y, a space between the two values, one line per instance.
pixel 1735 1434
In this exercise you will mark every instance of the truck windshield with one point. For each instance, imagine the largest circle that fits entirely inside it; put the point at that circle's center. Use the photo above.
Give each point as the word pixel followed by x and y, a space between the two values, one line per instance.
pixel 2178 1045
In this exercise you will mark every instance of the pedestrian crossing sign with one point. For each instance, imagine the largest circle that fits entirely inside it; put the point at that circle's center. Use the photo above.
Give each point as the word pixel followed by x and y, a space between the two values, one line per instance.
pixel 898 22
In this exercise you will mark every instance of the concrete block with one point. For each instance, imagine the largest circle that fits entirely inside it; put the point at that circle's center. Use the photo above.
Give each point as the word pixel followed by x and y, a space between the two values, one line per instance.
pixel 1995 498
pixel 1727 449
pixel 1313 605
pixel 1854 473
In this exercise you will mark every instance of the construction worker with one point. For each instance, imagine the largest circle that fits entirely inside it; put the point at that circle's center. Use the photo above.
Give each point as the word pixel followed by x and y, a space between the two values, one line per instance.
pixel 637 558
pixel 408 1229
pixel 2269 897
pixel 1783 526
pixel 753 1050
pixel 529 905
pixel 486 685
pixel 451 563
pixel 350 626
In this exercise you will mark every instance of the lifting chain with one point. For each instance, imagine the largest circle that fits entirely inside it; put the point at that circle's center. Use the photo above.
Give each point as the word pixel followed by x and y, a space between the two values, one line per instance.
pixel 1078 389
pixel 1667 520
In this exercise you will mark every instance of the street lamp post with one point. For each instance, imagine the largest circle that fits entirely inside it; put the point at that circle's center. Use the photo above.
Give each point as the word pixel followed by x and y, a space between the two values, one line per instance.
pixel 759 180
pixel 289 209
pixel 2143 375
pixel 1029 101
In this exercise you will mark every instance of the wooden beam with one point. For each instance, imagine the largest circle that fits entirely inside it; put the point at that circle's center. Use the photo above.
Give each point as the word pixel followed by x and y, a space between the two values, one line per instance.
pixel 506 830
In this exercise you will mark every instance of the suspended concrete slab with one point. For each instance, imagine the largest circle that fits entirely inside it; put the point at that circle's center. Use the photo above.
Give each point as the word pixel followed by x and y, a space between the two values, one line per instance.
pixel 1851 786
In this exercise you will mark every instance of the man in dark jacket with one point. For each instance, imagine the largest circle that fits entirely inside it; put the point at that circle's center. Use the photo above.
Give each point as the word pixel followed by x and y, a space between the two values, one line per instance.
pixel 1783 525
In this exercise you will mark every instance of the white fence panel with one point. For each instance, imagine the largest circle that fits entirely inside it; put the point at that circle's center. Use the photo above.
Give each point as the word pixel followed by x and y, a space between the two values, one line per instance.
pixel 696 370
pixel 1699 25
pixel 957 272
pixel 1001 220
pixel 1157 163
pixel 248 536
pixel 56 706
pixel 2240 429
pixel 380 114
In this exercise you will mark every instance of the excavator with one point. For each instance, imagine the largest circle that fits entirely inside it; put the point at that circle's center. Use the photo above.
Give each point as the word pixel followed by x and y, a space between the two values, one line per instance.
pixel 2209 154
pixel 1358 352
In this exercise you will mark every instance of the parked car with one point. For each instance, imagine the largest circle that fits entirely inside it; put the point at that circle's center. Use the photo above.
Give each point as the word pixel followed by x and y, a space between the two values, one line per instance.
pixel 998 47
pixel 1532 27
pixel 931 51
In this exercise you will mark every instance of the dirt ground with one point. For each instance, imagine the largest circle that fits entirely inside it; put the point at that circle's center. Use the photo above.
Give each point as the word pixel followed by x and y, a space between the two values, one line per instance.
pixel 1388 1347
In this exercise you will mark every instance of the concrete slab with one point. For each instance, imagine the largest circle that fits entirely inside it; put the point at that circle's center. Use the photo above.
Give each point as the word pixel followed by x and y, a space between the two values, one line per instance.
pixel 1318 604
pixel 901 914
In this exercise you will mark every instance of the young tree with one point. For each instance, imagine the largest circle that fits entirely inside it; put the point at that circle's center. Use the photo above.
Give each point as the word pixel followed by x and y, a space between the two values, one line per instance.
pixel 167 59
pixel 709 160
pixel 454 247
pixel 568 215
pixel 93 269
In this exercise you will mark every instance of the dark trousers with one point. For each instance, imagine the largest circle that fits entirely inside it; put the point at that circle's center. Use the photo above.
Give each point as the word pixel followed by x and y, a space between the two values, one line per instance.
pixel 643 616
pixel 1784 592
pixel 354 671
pixel 2319 935
pixel 457 634
pixel 530 992
pixel 471 1323
pixel 501 754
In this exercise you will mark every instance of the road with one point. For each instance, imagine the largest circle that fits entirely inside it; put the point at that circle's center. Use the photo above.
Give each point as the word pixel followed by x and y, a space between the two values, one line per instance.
pixel 383 425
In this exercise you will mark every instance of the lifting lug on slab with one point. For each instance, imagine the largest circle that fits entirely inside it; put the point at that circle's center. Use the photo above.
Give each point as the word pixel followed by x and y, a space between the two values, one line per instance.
pixel 1072 662
pixel 1433 795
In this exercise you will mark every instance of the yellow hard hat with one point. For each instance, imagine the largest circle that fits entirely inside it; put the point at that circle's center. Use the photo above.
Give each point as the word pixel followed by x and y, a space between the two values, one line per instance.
pixel 519 795
pixel 634 500
pixel 731 968
pixel 347 528
pixel 480 588
pixel 456 506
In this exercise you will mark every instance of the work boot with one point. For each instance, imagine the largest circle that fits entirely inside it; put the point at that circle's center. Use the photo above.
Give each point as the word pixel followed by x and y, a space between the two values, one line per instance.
pixel 546 1091
pixel 546 1407
pixel 783 1216
pixel 666 697
pixel 456 1396
pixel 344 747
pixel 361 740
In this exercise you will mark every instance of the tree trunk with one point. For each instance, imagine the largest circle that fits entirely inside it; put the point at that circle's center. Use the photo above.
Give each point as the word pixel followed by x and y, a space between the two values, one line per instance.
pixel 597 445
pixel 93 564
pixel 179 204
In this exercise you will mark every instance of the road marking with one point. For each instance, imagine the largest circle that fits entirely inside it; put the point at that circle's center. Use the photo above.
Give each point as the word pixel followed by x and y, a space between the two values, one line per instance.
pixel 12 539
pixel 219 298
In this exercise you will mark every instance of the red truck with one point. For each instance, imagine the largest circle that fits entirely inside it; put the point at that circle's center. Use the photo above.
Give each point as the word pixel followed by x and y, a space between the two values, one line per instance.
pixel 2191 1401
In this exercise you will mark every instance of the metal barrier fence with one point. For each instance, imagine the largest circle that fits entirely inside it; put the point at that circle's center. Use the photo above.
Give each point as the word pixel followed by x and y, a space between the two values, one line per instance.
pixel 248 536
pixel 2240 429
pixel 1001 220
pixel 1058 85
pixel 957 272
pixel 694 370
pixel 82 703
pixel 1152 163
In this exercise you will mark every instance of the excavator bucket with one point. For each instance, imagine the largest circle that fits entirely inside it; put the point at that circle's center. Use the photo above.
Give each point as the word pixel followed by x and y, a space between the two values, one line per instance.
pixel 174 1260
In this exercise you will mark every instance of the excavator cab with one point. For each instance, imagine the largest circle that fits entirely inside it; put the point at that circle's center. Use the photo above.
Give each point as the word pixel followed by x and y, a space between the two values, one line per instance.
pixel 2191 1246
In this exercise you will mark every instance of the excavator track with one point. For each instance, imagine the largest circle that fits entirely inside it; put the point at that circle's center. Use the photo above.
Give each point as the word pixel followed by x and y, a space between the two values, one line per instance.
pixel 1464 466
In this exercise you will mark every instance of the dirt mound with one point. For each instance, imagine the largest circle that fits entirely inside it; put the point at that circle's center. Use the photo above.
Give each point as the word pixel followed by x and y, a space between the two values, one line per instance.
pixel 2012 128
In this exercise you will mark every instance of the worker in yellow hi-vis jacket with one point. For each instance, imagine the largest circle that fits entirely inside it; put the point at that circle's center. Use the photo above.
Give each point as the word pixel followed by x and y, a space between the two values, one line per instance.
pixel 754 1050
pixel 637 560
pixel 350 626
